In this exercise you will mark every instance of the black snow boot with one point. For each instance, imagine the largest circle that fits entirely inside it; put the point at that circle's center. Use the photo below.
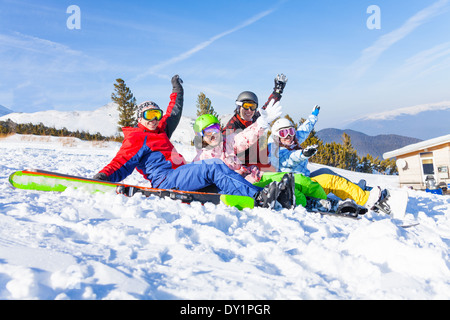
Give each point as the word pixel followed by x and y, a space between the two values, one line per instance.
pixel 350 208
pixel 321 205
pixel 287 191
pixel 267 197
pixel 382 203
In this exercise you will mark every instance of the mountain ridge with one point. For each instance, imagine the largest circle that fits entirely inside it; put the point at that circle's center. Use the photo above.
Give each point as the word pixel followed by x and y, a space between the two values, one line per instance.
pixel 424 122
pixel 366 144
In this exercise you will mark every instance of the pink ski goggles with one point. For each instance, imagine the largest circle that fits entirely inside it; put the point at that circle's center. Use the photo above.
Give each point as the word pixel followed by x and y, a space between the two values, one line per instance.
pixel 284 133
pixel 209 131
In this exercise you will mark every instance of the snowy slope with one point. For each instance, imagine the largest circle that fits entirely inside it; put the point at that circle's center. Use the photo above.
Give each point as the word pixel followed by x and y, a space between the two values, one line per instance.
pixel 103 120
pixel 105 246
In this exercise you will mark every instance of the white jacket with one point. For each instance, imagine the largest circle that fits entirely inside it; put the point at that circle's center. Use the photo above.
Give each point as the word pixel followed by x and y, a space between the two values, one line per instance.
pixel 285 160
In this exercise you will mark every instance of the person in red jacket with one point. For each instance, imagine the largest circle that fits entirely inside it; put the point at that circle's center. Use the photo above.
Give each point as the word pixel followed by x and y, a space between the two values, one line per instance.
pixel 245 115
pixel 148 149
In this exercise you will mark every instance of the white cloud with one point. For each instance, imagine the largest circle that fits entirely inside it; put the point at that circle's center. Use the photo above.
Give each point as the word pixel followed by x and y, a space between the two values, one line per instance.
pixel 29 43
pixel 444 105
pixel 371 54
pixel 427 60
pixel 185 55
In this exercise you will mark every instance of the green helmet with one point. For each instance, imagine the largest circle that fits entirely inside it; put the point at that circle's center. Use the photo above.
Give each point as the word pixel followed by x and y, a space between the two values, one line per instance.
pixel 205 121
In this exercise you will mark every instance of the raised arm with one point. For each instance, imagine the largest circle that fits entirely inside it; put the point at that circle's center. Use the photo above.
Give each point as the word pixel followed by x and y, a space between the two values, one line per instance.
pixel 175 108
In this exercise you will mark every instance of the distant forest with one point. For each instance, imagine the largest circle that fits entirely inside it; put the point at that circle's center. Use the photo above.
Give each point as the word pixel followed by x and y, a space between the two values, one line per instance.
pixel 10 127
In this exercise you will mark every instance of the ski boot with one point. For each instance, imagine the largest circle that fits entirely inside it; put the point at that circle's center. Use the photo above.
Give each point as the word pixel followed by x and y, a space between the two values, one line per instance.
pixel 382 203
pixel 267 197
pixel 350 208
pixel 321 205
pixel 346 207
pixel 126 191
pixel 287 191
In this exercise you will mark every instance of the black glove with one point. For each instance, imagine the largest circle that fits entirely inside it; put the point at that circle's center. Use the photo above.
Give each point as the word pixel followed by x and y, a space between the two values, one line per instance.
pixel 176 83
pixel 309 151
pixel 101 176
pixel 280 83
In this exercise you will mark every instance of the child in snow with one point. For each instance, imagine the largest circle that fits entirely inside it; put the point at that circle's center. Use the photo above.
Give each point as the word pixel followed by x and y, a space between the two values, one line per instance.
pixel 286 155
pixel 209 143
pixel 148 149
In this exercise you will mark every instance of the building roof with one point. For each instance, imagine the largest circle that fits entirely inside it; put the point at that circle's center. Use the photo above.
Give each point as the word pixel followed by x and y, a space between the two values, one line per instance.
pixel 417 146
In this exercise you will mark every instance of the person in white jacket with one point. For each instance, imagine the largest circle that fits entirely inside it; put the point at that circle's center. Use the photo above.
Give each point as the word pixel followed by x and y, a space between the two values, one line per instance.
pixel 287 155
pixel 285 151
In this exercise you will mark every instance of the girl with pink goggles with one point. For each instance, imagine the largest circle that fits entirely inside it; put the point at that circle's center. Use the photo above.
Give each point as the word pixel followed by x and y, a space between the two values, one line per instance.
pixel 285 132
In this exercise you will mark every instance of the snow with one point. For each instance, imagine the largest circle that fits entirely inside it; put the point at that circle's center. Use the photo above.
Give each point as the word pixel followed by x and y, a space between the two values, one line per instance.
pixel 414 110
pixel 73 245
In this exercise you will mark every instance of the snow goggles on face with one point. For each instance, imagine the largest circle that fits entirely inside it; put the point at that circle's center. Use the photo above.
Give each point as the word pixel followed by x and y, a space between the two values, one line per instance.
pixel 284 133
pixel 248 105
pixel 152 114
pixel 209 131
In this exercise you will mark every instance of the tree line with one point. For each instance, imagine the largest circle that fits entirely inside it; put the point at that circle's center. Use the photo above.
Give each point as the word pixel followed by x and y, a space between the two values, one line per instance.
pixel 10 127
pixel 344 156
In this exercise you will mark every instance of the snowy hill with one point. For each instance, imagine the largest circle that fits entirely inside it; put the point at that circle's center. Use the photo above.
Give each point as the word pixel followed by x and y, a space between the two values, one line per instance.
pixel 103 120
pixel 422 122
pixel 106 246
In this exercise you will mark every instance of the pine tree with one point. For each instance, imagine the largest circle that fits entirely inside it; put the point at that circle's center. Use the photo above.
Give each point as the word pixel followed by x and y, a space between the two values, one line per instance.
pixel 204 106
pixel 126 104
pixel 365 164
pixel 350 157
pixel 323 154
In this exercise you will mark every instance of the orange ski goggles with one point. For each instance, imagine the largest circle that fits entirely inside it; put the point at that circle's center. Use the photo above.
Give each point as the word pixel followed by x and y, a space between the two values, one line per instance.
pixel 152 114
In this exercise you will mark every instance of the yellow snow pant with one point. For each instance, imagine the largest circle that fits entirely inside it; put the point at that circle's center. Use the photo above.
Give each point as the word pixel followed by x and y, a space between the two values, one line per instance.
pixel 342 188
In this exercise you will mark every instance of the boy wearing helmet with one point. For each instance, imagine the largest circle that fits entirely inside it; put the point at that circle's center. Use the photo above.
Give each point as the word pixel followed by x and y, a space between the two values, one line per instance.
pixel 245 115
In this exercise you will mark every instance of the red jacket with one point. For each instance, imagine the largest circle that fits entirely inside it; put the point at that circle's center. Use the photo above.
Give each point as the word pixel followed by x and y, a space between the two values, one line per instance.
pixel 150 152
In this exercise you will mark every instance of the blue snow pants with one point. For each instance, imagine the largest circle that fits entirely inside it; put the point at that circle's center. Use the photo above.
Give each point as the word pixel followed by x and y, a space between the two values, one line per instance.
pixel 201 174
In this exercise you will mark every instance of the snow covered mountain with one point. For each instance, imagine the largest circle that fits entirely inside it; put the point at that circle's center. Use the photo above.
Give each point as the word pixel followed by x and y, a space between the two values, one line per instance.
pixel 72 245
pixel 423 122
pixel 103 120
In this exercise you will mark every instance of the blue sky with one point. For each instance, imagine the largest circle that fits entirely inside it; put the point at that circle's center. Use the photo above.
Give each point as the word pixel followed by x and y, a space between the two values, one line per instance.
pixel 222 48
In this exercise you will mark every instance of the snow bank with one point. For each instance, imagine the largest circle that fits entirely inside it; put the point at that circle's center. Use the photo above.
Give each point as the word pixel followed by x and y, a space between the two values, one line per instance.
pixel 104 246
